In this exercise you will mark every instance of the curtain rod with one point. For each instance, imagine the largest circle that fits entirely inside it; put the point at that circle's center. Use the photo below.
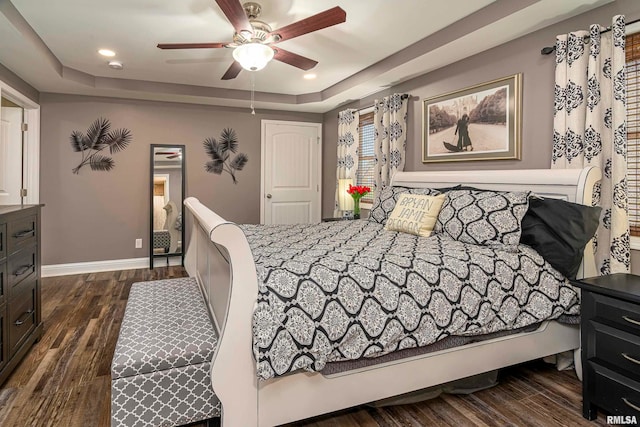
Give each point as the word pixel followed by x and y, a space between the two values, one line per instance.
pixel 547 50
pixel 403 97
pixel 370 107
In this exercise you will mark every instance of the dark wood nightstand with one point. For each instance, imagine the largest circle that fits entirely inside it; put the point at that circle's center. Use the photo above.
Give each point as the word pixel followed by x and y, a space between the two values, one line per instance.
pixel 334 219
pixel 610 333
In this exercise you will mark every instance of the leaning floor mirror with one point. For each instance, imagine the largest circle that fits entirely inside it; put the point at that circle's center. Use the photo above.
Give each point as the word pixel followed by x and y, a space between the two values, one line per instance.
pixel 167 210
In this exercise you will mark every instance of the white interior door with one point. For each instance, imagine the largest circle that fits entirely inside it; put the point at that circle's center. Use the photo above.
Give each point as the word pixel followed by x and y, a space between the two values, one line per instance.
pixel 291 161
pixel 10 155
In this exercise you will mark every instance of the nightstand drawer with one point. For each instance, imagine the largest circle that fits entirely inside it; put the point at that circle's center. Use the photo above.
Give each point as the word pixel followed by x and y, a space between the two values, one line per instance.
pixel 617 394
pixel 21 265
pixel 21 233
pixel 616 347
pixel 610 310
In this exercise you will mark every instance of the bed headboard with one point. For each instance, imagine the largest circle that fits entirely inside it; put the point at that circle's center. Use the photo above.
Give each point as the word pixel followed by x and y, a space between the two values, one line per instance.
pixel 573 185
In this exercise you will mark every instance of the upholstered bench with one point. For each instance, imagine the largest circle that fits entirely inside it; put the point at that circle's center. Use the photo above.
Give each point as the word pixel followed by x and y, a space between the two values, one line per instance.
pixel 160 373
pixel 161 240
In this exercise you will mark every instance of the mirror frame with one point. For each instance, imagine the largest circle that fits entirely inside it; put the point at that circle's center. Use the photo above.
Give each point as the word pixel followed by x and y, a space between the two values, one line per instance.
pixel 153 256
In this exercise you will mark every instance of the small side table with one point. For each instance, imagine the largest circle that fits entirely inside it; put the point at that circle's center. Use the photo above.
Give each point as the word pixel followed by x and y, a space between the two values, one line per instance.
pixel 334 219
pixel 610 335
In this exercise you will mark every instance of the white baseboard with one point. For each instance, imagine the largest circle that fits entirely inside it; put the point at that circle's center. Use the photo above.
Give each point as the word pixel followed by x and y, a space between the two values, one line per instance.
pixel 99 266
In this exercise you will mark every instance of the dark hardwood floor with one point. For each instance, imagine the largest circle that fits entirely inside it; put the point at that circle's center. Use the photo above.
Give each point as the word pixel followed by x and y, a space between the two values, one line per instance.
pixel 65 379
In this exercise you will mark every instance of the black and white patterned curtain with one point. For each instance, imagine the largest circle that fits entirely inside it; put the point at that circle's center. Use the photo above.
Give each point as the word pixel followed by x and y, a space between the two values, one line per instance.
pixel 348 122
pixel 390 121
pixel 589 128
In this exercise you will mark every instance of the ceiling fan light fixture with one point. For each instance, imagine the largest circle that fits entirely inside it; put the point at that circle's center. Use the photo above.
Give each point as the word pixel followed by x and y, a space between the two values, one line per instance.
pixel 246 34
pixel 116 65
pixel 253 56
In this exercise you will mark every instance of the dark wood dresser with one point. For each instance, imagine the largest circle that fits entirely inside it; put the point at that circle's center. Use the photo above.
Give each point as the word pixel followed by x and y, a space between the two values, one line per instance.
pixel 20 322
pixel 610 332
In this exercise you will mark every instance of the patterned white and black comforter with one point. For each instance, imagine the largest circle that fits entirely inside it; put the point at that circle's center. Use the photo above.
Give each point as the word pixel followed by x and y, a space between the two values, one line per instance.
pixel 349 289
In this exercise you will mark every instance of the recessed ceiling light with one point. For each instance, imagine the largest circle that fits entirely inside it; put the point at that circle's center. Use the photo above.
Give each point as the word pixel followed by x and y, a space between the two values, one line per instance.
pixel 107 52
pixel 116 65
pixel 310 76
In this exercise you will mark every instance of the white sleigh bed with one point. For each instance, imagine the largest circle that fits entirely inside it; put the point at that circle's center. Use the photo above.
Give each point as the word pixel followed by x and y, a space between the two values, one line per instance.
pixel 219 257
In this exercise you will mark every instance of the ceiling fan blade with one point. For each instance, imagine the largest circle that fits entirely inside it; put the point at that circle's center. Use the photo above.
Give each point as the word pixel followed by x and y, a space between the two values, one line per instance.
pixel 234 12
pixel 317 22
pixel 191 45
pixel 233 71
pixel 294 59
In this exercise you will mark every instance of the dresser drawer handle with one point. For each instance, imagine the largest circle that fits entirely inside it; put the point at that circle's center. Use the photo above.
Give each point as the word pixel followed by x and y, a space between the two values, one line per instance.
pixel 631 359
pixel 24 317
pixel 24 233
pixel 631 405
pixel 20 271
pixel 630 320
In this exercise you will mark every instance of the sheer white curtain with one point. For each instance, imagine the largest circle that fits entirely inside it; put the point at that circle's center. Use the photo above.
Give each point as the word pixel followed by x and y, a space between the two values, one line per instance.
pixel 390 121
pixel 348 121
pixel 589 128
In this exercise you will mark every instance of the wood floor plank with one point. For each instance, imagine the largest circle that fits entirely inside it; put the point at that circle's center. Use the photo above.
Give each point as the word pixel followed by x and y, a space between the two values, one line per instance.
pixel 65 379
pixel 426 417
pixel 479 413
pixel 447 414
pixel 560 414
pixel 362 418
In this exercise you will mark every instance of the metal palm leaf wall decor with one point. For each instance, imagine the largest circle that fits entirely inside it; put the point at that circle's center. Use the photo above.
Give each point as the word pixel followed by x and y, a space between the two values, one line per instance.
pixel 99 137
pixel 220 153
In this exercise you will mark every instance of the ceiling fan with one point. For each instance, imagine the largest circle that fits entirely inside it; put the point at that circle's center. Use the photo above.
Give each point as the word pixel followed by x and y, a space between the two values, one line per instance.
pixel 253 40
pixel 169 154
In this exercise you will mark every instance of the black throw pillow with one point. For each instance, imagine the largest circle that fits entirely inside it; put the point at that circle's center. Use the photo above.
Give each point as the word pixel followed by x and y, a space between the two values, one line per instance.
pixel 559 231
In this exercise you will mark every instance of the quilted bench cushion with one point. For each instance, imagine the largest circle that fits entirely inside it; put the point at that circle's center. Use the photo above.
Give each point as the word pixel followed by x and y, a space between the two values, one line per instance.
pixel 161 239
pixel 166 398
pixel 163 328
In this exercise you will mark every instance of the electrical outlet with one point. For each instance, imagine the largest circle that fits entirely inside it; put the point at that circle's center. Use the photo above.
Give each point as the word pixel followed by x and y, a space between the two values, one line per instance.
pixel 138 243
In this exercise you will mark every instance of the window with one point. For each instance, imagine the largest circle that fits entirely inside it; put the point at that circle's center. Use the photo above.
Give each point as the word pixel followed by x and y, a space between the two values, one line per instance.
pixel 633 130
pixel 366 159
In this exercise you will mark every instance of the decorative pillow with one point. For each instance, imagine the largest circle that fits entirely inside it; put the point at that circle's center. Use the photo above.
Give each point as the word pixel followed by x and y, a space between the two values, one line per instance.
pixel 483 217
pixel 559 231
pixel 415 214
pixel 387 197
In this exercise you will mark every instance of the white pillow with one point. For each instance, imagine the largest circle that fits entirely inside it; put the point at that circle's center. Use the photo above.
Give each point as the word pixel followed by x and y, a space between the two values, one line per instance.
pixel 415 214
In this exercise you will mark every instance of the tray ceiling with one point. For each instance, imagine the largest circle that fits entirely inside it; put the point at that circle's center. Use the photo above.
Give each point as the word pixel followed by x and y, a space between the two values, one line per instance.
pixel 53 46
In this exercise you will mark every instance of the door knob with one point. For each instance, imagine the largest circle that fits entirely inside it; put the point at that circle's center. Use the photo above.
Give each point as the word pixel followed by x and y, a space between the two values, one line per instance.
pixel 269 196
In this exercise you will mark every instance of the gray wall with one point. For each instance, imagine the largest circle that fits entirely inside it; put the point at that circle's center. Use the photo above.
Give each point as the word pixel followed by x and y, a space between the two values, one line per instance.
pixel 518 56
pixel 98 215
pixel 635 262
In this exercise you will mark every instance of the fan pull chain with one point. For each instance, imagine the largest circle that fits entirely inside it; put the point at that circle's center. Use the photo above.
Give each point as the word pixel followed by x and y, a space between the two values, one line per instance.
pixel 253 88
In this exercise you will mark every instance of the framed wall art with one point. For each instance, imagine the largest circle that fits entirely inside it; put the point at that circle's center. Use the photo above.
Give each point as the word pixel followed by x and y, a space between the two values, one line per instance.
pixel 481 122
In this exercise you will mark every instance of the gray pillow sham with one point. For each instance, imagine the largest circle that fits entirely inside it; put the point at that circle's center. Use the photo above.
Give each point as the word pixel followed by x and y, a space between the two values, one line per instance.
pixel 483 217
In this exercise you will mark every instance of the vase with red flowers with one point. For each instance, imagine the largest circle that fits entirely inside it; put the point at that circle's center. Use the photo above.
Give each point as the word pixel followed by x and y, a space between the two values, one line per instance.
pixel 357 192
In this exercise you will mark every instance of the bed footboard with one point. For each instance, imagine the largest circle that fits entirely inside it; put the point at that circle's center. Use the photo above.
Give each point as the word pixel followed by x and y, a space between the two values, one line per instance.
pixel 226 274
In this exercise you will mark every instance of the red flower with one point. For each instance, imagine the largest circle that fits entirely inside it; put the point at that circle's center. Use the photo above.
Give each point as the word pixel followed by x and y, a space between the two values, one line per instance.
pixel 358 191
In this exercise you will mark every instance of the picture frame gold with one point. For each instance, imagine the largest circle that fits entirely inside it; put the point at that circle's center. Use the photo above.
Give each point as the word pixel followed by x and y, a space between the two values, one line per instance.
pixel 481 122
